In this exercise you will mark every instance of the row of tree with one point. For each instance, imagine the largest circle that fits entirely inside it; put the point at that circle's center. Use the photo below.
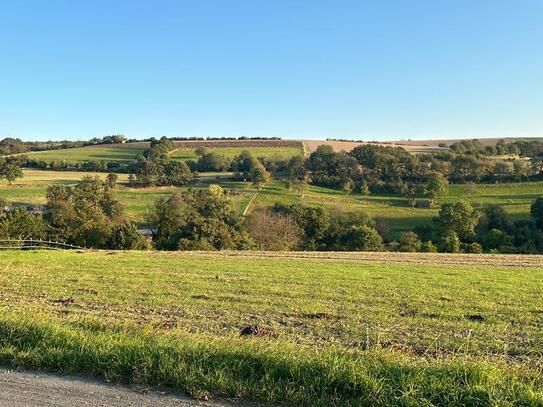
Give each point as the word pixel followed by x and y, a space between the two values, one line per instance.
pixel 89 214
pixel 372 168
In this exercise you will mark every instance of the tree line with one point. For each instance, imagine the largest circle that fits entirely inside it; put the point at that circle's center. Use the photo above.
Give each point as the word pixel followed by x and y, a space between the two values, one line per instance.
pixel 89 214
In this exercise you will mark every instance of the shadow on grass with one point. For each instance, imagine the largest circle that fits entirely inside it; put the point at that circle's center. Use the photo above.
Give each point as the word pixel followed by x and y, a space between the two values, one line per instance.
pixel 262 369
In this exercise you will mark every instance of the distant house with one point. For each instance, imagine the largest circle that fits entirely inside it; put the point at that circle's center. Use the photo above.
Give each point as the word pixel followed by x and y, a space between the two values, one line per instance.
pixel 146 232
pixel 424 204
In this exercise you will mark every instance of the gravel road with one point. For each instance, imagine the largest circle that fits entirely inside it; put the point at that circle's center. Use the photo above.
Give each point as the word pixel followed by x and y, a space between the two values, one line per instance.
pixel 26 389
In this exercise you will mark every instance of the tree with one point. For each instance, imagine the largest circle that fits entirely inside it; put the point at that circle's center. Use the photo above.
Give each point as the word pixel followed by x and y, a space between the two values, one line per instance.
pixel 296 168
pixel 459 218
pixel 347 185
pixel 167 221
pixel 495 239
pixel 160 171
pixel 474 248
pixel 300 186
pixel 111 180
pixel 125 236
pixel 198 220
pixel 536 210
pixel 10 172
pixel 364 188
pixel 20 224
pixel 274 231
pixel 450 243
pixel 314 221
pixel 362 238
pixel 428 247
pixel 409 242
pixel 259 176
pixel 436 187
pixel 11 145
pixel 520 169
pixel 87 214
pixel 243 164
pixel 132 181
pixel 211 162
pixel 175 173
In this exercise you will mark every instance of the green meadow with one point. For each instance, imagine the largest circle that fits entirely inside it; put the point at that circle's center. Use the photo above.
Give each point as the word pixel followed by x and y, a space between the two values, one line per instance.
pixel 122 153
pixel 125 153
pixel 297 331
pixel 515 198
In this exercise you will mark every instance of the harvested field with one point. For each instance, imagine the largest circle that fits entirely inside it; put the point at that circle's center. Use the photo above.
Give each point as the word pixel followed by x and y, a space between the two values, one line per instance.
pixel 509 260
pixel 304 329
pixel 349 145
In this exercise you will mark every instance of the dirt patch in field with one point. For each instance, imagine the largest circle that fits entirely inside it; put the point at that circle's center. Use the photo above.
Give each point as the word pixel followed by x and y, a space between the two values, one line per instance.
pixel 255 330
pixel 64 301
pixel 200 297
pixel 408 312
pixel 475 317
pixel 167 324
pixel 87 291
pixel 313 315
pixel 321 315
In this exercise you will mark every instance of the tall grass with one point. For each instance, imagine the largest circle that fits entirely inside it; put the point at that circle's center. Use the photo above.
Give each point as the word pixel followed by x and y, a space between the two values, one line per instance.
pixel 265 370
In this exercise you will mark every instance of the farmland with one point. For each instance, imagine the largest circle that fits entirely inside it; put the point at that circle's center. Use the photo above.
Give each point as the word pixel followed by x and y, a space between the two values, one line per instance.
pixel 125 153
pixel 330 329
pixel 515 198
pixel 31 189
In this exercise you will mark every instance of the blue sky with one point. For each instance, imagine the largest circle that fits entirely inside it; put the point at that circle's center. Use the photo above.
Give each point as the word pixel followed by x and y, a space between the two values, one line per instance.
pixel 371 70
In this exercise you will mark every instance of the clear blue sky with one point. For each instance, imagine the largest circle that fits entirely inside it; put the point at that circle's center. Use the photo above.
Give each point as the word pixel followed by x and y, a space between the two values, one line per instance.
pixel 299 69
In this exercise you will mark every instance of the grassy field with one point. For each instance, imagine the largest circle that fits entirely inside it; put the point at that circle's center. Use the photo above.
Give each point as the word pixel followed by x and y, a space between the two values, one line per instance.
pixel 342 330
pixel 31 189
pixel 123 154
pixel 126 153
pixel 281 153
pixel 515 198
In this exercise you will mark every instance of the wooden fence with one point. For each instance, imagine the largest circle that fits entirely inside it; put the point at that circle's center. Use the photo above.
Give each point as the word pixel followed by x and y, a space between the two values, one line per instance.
pixel 14 244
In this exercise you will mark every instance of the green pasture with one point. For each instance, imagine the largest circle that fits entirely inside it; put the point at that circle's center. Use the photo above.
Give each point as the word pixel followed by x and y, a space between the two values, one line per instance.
pixel 515 198
pixel 297 331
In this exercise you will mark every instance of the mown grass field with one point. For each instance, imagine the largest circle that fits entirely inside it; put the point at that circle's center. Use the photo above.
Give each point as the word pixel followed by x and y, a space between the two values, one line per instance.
pixel 122 153
pixel 515 198
pixel 347 329
pixel 279 153
pixel 125 153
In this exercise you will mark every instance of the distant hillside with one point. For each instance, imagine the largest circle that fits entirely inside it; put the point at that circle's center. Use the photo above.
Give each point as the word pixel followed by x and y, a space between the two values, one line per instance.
pixel 349 145
pixel 414 146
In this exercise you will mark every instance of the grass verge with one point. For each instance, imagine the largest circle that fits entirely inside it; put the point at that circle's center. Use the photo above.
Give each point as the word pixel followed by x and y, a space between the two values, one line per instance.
pixel 263 370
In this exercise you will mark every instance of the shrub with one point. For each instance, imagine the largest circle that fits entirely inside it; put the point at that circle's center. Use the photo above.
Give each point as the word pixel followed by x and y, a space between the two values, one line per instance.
pixel 409 242
pixel 428 247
